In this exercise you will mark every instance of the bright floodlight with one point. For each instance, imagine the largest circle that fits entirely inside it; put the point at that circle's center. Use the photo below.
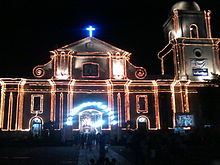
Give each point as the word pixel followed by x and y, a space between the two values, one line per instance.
pixel 99 123
pixel 142 119
pixel 114 122
pixel 69 121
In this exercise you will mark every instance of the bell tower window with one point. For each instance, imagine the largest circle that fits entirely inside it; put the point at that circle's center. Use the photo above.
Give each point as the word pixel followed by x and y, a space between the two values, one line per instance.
pixel 194 33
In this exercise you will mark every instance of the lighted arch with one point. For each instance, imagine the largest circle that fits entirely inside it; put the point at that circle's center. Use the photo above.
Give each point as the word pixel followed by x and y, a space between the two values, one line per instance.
pixel 147 121
pixel 98 105
pixel 90 110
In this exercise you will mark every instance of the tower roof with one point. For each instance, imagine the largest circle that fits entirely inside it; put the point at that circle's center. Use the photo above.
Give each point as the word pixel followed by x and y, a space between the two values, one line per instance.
pixel 186 5
pixel 91 45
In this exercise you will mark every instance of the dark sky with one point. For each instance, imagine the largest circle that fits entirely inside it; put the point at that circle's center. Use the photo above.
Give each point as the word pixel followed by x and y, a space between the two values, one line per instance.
pixel 30 29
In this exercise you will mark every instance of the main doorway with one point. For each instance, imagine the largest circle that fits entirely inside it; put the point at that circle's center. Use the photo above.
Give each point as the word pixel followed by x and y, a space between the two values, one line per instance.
pixel 90 121
pixel 36 126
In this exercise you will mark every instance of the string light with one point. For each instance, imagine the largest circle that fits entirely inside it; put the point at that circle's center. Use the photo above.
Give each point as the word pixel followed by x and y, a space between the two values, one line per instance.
pixel 119 75
pixel 98 105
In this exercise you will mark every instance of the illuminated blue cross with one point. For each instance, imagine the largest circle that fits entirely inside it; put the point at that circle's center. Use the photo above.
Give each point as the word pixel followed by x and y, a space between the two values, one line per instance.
pixel 90 29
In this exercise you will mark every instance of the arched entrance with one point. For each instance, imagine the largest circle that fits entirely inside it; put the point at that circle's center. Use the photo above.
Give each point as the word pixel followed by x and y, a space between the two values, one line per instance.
pixel 104 116
pixel 90 121
pixel 36 126
pixel 142 123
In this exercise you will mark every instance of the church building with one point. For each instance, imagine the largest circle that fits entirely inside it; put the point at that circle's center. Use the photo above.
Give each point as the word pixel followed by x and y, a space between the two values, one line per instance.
pixel 91 85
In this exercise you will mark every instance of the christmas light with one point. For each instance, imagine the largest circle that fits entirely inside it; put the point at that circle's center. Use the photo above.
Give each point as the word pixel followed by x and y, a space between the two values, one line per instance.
pixel 88 104
pixel 98 105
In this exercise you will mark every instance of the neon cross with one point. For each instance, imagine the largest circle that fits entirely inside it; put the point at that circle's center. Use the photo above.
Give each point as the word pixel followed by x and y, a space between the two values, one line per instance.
pixel 90 29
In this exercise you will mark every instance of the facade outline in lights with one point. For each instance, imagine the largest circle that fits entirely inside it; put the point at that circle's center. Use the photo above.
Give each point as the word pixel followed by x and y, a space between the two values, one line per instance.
pixel 91 68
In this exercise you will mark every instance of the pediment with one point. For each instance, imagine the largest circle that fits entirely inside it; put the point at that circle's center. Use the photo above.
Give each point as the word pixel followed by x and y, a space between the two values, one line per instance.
pixel 91 45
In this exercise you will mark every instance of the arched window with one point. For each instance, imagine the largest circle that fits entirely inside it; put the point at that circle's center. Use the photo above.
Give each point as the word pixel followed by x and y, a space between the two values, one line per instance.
pixel 194 33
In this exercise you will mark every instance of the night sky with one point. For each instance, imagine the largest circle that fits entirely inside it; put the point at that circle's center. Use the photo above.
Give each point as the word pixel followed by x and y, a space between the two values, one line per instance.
pixel 30 29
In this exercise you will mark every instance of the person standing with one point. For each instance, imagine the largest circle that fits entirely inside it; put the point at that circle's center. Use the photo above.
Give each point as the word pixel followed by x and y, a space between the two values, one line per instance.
pixel 102 148
pixel 89 142
pixel 82 140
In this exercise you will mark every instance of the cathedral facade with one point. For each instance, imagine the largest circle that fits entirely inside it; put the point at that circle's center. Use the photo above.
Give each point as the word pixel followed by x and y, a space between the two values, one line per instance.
pixel 91 86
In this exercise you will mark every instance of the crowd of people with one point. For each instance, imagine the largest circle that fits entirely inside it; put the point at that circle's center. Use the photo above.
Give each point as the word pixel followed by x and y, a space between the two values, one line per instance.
pixel 150 148
pixel 166 147
pixel 100 142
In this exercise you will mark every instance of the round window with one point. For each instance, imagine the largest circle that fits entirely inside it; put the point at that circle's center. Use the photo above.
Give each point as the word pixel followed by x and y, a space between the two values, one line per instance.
pixel 197 52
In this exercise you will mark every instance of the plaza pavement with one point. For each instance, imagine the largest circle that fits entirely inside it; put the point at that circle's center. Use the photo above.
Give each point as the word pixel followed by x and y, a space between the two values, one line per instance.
pixel 54 155
pixel 85 155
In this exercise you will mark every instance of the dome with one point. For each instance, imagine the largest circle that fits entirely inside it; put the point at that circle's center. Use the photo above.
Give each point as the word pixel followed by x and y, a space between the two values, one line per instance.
pixel 186 5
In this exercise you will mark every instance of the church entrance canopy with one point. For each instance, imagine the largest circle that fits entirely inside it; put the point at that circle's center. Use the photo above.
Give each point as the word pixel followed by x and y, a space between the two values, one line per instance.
pixel 91 117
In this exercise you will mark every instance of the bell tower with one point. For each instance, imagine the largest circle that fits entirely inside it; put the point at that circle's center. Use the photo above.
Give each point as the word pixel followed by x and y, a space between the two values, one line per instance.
pixel 195 52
